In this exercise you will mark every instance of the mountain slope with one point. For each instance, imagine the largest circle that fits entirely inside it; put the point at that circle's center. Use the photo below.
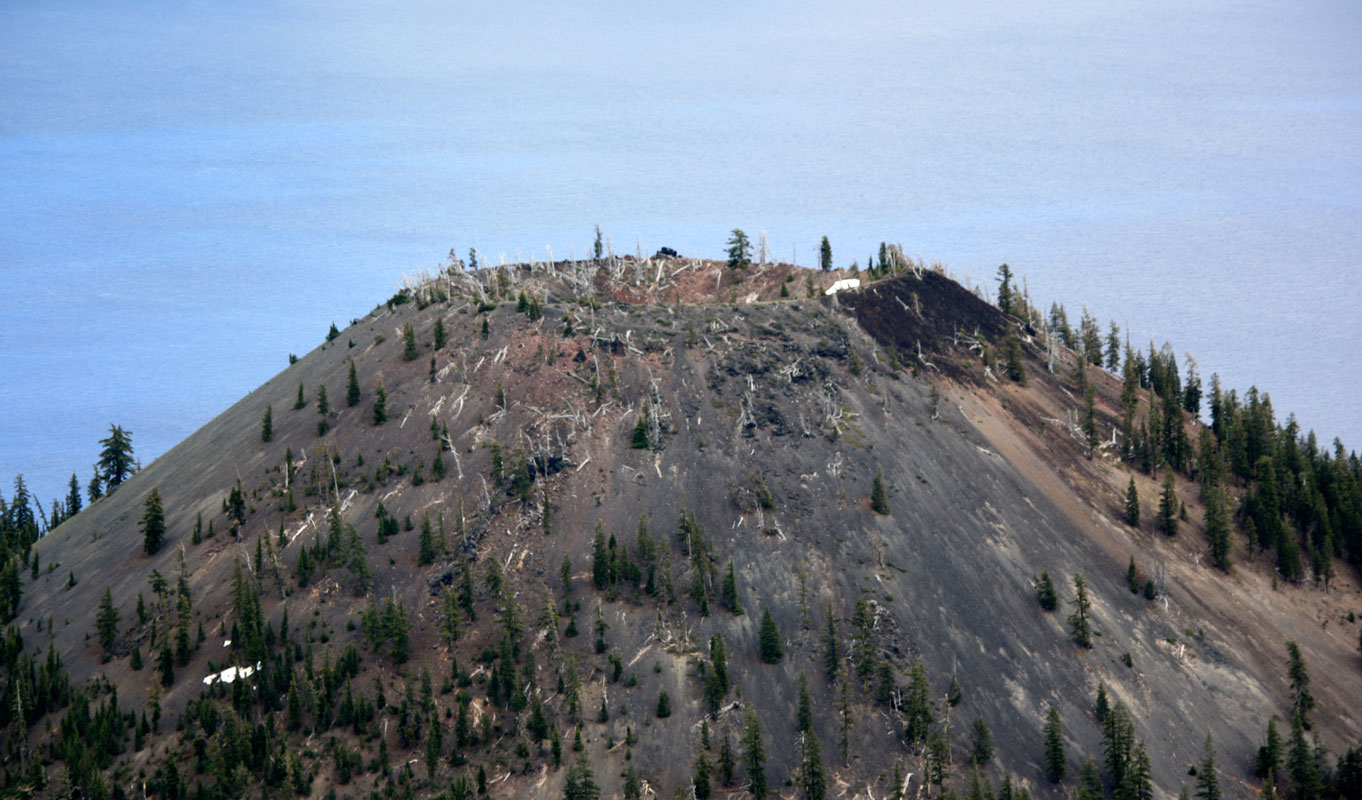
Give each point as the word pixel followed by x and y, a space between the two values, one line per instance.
pixel 766 421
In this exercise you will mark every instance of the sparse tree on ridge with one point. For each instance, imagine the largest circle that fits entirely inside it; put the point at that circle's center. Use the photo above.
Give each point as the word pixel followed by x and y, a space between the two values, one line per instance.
pixel 1005 293
pixel 115 459
pixel 739 250
pixel 825 255
pixel 73 497
pixel 1113 348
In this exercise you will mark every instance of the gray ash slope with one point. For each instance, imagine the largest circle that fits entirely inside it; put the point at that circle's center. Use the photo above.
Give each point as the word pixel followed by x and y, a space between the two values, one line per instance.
pixel 790 394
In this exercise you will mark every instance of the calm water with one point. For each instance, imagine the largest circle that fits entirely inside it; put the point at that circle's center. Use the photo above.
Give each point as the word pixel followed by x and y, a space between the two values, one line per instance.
pixel 188 194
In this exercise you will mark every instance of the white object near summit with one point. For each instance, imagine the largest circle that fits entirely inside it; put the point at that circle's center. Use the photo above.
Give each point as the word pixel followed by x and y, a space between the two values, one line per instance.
pixel 842 285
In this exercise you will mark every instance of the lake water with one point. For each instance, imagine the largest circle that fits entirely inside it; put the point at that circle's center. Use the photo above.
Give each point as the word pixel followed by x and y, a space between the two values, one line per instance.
pixel 189 192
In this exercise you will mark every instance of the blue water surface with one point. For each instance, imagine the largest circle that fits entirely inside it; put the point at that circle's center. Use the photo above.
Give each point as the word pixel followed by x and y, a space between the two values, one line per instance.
pixel 188 193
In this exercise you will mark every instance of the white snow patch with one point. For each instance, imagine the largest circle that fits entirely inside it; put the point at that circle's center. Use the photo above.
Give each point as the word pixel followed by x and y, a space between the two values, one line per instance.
pixel 231 674
pixel 843 285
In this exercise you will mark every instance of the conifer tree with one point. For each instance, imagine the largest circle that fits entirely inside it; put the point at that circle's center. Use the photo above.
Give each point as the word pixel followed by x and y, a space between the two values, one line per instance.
pixel 1132 504
pixel 739 250
pixel 884 686
pixel 813 781
pixel 1269 791
pixel 730 590
pixel 640 437
pixel 352 392
pixel 917 705
pixel 879 500
pixel 267 424
pixel 1079 625
pixel 166 665
pixel 302 400
pixel 1113 348
pixel 1269 758
pixel 380 405
pixel 333 333
pixel 600 559
pixel 1139 782
pixel 825 255
pixel 1118 739
pixel 938 756
pixel 1168 506
pixel 409 351
pixel 726 759
pixel 754 755
pixel 1016 367
pixel 581 781
pixel 1090 783
pixel 1005 300
pixel 769 638
pixel 716 678
pixel 1102 706
pixel 863 644
pixel 236 506
pixel 115 458
pixel 700 780
pixel 73 497
pixel 844 711
pixel 439 333
pixel 832 656
pixel 425 551
pixel 323 404
pixel 1090 419
pixel 1045 591
pixel 1306 780
pixel 1055 761
pixel 804 712
pixel 1207 781
pixel 95 488
pixel 1302 702
pixel 153 522
pixel 106 621
pixel 981 742
pixel 1217 528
